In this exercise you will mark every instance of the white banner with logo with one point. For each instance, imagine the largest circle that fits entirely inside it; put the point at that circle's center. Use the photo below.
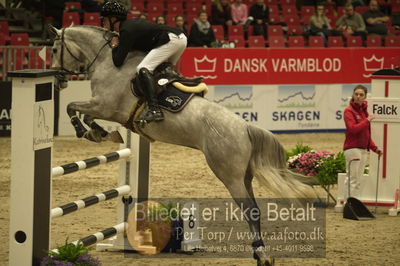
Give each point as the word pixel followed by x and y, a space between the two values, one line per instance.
pixel 287 108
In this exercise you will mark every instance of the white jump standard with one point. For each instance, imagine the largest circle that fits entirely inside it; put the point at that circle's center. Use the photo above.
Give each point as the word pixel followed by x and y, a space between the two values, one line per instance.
pixel 32 173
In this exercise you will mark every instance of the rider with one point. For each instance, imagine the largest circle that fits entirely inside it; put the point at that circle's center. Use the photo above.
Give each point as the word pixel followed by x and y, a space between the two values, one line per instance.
pixel 162 43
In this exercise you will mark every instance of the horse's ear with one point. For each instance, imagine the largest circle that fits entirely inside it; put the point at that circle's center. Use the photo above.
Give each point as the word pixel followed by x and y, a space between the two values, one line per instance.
pixel 72 24
pixel 53 30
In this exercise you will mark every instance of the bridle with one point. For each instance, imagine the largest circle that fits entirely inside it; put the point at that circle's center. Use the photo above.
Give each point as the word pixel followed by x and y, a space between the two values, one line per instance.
pixel 63 71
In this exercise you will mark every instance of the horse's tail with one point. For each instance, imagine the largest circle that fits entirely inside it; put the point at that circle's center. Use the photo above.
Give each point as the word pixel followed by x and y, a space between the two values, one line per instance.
pixel 268 166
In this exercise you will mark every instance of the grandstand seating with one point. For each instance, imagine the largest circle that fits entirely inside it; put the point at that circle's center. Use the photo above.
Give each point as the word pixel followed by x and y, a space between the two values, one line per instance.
pixel 294 30
pixel 5 30
pixel 193 8
pixel 275 31
pixel 354 41
pixel 91 18
pixel 69 18
pixel 289 10
pixel 175 8
pixel 70 6
pixel 307 11
pixel 316 41
pixel 291 20
pixel 374 41
pixel 256 41
pixel 235 30
pixel 137 7
pixel 276 42
pixel 238 40
pixel 295 41
pixel 335 41
pixel 392 41
pixel 218 32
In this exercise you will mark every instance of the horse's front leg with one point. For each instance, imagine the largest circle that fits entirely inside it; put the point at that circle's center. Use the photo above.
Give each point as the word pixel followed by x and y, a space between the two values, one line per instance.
pixel 72 109
pixel 89 109
pixel 97 133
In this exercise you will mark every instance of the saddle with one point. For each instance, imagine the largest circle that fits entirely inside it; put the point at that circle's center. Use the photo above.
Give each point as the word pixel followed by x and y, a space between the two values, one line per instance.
pixel 173 90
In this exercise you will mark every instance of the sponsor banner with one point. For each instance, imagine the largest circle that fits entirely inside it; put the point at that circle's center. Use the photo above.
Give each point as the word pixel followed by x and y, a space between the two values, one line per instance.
pixel 282 108
pixel 5 108
pixel 287 66
pixel 385 109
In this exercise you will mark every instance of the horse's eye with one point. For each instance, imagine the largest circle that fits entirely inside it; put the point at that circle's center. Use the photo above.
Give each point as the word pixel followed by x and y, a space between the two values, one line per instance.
pixel 54 50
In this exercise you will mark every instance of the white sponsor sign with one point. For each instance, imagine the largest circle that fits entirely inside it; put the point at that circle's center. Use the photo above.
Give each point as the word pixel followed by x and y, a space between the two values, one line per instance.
pixel 43 117
pixel 385 109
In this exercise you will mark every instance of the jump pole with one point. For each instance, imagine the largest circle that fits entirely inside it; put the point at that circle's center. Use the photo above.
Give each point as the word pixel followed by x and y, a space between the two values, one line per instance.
pixel 31 171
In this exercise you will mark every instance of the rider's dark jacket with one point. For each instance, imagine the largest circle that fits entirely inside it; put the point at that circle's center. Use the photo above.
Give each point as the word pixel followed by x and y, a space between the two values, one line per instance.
pixel 142 35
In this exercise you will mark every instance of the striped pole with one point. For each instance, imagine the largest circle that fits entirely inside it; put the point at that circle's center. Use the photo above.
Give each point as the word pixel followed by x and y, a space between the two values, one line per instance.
pixel 99 236
pixel 86 202
pixel 88 163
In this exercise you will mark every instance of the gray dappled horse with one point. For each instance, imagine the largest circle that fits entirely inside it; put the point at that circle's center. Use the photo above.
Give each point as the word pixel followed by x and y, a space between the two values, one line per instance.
pixel 235 150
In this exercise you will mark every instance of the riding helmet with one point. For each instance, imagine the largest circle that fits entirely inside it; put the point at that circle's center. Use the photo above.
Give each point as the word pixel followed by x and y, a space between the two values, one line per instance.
pixel 114 9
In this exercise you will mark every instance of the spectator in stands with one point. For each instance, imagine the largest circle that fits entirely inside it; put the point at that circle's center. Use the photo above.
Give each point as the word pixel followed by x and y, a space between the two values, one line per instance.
pixel 239 12
pixel 201 33
pixel 54 9
pixel 92 5
pixel 351 23
pixel 355 3
pixel 180 23
pixel 160 20
pixel 221 13
pixel 259 13
pixel 143 16
pixel 375 20
pixel 320 25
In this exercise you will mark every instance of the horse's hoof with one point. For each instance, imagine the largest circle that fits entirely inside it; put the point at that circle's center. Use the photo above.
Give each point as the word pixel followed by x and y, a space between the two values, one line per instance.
pixel 115 137
pixel 266 263
pixel 93 135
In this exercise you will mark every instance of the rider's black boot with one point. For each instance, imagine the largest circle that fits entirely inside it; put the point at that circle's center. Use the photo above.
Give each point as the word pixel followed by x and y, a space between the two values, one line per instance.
pixel 154 112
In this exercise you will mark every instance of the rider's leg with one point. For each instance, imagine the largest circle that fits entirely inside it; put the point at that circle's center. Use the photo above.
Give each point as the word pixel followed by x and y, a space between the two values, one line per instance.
pixel 155 57
pixel 154 112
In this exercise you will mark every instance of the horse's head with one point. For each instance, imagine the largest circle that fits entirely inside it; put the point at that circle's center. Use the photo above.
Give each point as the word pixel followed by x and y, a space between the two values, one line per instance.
pixel 66 53
pixel 77 48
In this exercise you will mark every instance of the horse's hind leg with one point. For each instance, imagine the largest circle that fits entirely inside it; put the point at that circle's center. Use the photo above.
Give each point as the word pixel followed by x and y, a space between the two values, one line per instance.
pixel 238 183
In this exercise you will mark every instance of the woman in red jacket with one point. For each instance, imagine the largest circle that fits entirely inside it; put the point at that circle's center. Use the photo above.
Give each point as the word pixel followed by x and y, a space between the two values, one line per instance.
pixel 358 137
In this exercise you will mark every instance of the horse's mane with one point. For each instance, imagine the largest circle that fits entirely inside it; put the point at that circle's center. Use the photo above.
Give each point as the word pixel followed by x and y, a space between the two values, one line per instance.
pixel 89 27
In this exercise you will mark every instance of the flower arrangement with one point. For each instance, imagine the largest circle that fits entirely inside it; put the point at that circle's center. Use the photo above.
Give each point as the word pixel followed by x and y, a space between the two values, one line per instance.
pixel 323 165
pixel 307 163
pixel 70 255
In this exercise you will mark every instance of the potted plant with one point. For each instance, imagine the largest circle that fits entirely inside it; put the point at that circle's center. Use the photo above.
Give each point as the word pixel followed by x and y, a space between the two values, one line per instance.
pixel 70 255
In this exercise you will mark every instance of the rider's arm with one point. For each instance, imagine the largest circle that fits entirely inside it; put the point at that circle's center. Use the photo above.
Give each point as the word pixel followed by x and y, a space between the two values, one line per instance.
pixel 120 52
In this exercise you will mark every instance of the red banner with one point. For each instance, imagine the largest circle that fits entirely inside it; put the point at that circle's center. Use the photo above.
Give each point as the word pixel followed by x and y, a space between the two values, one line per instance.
pixel 287 66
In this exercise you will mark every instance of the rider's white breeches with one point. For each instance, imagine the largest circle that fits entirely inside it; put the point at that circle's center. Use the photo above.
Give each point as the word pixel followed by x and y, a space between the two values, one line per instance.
pixel 169 52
